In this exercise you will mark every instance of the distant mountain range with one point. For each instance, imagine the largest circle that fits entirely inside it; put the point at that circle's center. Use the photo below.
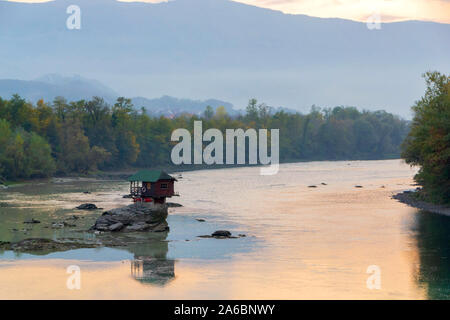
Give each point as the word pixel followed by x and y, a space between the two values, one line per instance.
pixel 219 48
pixel 50 86
pixel 170 106
pixel 75 88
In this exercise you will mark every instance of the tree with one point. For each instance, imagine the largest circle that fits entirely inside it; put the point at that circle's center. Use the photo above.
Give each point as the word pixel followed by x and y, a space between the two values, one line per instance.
pixel 428 143
pixel 38 155
pixel 122 122
pixel 208 113
pixel 252 110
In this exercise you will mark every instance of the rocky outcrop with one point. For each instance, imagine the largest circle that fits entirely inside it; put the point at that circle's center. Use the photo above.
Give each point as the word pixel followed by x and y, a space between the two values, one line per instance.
pixel 135 217
pixel 410 198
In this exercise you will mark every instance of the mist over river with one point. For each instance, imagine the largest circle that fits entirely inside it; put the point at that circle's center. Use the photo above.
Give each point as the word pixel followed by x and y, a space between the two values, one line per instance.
pixel 301 242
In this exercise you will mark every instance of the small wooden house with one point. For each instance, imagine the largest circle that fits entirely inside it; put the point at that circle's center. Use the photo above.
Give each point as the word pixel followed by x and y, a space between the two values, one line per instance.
pixel 151 185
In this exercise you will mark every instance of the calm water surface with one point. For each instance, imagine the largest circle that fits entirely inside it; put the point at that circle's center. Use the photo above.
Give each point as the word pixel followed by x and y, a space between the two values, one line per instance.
pixel 302 243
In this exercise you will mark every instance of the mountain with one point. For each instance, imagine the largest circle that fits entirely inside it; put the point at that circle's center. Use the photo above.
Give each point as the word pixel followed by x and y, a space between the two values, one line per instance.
pixel 75 88
pixel 170 106
pixel 220 48
pixel 52 85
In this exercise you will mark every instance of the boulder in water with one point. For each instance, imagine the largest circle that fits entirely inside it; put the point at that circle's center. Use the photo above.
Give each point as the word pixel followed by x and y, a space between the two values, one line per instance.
pixel 87 206
pixel 135 217
pixel 174 205
pixel 220 234
pixel 31 221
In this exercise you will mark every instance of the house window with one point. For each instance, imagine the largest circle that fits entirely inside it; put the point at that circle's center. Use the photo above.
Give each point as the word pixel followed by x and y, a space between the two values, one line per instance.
pixel 164 186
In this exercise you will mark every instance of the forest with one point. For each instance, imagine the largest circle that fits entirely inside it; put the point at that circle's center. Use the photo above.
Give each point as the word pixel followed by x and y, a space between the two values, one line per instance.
pixel 82 137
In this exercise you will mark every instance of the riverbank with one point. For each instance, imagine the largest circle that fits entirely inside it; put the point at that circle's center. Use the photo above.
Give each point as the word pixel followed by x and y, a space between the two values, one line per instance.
pixel 407 197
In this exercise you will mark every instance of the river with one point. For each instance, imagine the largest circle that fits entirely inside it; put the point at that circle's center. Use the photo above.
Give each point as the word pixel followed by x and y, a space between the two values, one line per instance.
pixel 301 242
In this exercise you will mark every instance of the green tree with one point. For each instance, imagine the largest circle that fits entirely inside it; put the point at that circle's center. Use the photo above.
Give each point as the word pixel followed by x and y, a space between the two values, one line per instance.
pixel 208 113
pixel 428 143
pixel 38 155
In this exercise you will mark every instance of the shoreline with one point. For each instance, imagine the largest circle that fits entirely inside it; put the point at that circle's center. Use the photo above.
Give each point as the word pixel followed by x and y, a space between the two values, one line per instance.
pixel 406 198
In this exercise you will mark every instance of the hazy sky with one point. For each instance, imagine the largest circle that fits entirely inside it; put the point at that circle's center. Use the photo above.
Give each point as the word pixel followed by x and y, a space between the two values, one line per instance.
pixel 390 10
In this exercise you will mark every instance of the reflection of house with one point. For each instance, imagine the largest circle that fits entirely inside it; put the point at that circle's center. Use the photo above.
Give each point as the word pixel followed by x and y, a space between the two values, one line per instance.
pixel 150 264
pixel 153 270
pixel 149 185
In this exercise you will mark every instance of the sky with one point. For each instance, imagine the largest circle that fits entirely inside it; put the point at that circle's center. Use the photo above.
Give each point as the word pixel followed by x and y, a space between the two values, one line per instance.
pixel 359 10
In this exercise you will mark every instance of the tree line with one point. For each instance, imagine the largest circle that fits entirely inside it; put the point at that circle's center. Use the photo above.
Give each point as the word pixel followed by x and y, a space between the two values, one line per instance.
pixel 61 137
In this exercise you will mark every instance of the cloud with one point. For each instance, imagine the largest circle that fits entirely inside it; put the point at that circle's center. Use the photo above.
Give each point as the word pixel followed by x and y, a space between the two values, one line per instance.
pixel 359 10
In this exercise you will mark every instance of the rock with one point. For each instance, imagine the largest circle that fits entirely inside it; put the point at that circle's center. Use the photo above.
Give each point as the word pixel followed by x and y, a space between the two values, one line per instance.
pixel 5 245
pixel 415 199
pixel 324 184
pixel 135 217
pixel 4 205
pixel 66 224
pixel 87 192
pixel 312 186
pixel 31 221
pixel 162 227
pixel 87 206
pixel 32 245
pixel 127 196
pixel 357 186
pixel 200 220
pixel 221 233
pixel 57 225
pixel 242 235
pixel 116 227
pixel 140 226
pixel 173 205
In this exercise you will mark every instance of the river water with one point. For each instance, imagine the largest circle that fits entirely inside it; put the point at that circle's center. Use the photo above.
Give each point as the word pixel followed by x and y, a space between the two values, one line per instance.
pixel 301 242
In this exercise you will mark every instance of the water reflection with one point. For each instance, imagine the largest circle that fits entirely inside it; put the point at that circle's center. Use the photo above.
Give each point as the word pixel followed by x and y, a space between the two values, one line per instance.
pixel 158 271
pixel 433 243
pixel 150 264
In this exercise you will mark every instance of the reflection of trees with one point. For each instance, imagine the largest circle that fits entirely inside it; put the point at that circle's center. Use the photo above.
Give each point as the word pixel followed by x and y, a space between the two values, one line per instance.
pixel 150 264
pixel 433 243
